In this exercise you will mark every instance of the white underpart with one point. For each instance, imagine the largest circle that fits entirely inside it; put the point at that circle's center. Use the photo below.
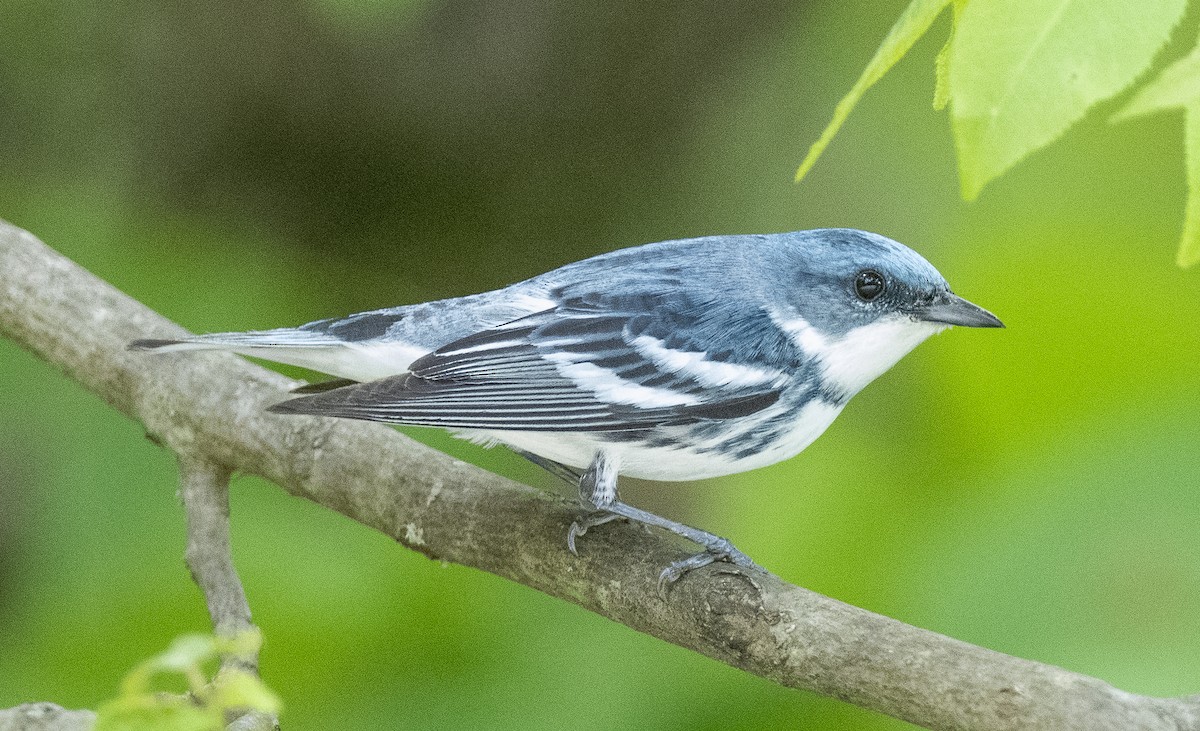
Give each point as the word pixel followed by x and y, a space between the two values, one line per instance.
pixel 864 353
pixel 608 386
pixel 708 372
pixel 860 356
pixel 577 449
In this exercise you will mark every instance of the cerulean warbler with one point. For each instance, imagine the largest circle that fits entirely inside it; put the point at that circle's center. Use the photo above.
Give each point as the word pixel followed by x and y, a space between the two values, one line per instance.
pixel 676 360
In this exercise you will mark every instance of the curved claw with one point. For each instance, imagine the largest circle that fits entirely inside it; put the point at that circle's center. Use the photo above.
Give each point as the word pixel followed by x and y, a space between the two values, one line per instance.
pixel 674 572
pixel 719 551
pixel 581 526
pixel 576 529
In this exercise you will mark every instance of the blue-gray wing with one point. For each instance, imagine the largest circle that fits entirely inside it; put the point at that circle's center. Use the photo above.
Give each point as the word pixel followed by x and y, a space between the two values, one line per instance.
pixel 593 363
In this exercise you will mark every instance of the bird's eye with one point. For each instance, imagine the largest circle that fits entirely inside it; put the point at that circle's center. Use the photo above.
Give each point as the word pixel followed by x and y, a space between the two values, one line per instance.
pixel 869 284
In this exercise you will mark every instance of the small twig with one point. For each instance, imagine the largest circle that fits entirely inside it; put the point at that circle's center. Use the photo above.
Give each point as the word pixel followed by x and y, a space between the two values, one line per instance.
pixel 45 717
pixel 204 488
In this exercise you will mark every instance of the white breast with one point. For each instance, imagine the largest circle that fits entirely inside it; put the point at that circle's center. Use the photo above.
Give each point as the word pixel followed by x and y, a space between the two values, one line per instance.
pixel 670 464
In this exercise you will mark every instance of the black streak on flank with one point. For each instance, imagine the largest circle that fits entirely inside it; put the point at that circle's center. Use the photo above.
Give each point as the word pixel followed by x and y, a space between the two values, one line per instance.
pixel 735 408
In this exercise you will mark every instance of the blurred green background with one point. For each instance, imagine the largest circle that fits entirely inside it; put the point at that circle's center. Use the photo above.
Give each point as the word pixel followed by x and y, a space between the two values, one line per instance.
pixel 240 166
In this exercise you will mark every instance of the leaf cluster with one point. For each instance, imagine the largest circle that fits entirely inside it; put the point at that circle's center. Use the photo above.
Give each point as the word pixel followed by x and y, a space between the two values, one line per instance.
pixel 209 702
pixel 1015 75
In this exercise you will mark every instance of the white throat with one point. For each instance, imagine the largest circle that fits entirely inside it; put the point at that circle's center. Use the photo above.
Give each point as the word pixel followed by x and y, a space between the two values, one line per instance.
pixel 863 354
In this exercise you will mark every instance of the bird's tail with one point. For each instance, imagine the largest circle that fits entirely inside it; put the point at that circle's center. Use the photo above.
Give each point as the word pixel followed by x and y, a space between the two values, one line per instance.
pixel 318 351
pixel 294 346
pixel 239 342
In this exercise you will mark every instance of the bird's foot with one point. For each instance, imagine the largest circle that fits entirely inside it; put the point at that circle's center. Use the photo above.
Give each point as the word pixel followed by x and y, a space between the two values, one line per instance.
pixel 581 525
pixel 598 491
pixel 716 549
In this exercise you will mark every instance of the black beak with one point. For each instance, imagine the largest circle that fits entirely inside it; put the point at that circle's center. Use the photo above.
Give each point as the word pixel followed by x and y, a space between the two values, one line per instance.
pixel 951 309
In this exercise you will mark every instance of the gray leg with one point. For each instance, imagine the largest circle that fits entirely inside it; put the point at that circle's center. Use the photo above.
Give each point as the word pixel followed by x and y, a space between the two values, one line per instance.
pixel 570 475
pixel 598 489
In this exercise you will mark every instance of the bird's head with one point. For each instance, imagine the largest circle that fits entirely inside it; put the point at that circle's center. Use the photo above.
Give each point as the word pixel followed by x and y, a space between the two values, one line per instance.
pixel 858 302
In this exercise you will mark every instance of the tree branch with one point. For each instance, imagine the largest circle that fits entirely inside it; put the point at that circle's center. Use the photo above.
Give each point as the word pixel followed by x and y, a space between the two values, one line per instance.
pixel 212 405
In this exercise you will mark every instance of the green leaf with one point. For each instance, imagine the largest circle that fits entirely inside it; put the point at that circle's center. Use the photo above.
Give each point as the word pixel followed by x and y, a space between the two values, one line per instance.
pixel 1023 71
pixel 1177 86
pixel 245 644
pixel 139 706
pixel 156 713
pixel 1189 246
pixel 186 651
pixel 941 65
pixel 239 689
pixel 910 26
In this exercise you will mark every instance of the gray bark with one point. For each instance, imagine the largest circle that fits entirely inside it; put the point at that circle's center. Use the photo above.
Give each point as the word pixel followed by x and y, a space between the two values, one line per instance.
pixel 45 717
pixel 210 406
